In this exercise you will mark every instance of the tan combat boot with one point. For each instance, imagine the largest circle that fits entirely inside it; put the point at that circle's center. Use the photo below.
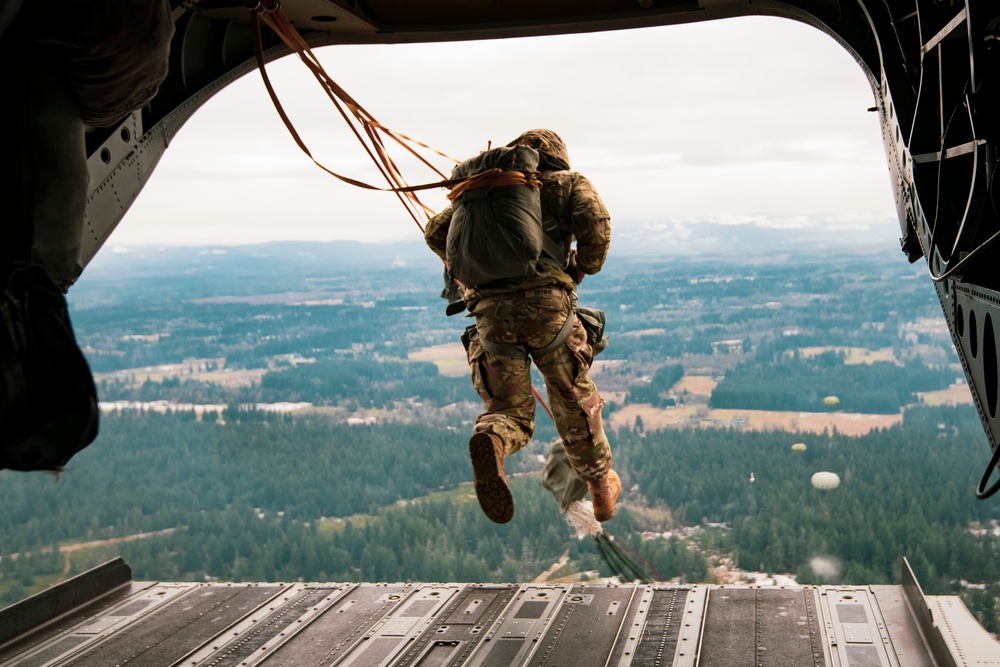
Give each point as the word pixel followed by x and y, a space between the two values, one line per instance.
pixel 604 493
pixel 489 477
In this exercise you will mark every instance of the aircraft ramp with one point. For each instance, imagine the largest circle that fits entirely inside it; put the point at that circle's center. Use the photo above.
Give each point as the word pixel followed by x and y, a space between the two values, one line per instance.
pixel 102 618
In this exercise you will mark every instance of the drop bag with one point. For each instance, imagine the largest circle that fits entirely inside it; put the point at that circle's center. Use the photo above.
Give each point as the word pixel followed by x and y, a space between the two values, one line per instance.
pixel 48 402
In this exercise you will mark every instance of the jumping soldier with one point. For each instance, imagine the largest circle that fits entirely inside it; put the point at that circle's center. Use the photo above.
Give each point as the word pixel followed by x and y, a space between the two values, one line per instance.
pixel 532 316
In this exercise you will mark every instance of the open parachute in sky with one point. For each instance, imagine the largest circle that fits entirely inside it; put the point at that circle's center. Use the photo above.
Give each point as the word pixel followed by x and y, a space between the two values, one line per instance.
pixel 825 480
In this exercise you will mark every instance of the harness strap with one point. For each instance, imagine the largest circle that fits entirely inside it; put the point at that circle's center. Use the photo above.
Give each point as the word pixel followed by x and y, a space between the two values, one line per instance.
pixel 455 307
pixel 523 351
pixel 560 338
pixel 496 176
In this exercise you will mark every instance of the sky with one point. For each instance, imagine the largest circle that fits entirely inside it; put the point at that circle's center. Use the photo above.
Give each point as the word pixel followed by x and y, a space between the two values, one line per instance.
pixel 753 121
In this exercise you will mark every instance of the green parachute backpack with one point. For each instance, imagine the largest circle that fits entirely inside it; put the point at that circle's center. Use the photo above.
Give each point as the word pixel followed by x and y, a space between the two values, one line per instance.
pixel 496 231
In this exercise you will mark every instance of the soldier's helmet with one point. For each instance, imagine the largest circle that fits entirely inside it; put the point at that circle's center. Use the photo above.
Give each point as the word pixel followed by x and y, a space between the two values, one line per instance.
pixel 548 143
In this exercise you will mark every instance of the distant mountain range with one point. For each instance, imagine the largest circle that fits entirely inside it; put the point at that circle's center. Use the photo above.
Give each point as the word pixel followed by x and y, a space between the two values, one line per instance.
pixel 694 238
pixel 701 240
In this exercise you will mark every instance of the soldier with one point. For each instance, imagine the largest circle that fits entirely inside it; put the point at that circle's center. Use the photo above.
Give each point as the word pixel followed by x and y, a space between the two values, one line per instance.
pixel 530 312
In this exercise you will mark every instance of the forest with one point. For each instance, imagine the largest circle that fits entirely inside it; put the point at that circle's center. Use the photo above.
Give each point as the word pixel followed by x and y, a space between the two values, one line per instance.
pixel 251 495
pixel 352 383
pixel 655 391
pixel 323 302
pixel 799 384
pixel 905 491
pixel 272 498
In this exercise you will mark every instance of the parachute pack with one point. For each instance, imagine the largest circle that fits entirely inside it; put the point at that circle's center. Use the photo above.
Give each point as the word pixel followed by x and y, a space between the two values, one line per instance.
pixel 497 231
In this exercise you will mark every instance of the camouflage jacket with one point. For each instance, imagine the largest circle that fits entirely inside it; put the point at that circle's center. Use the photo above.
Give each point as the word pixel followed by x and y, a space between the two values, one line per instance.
pixel 570 199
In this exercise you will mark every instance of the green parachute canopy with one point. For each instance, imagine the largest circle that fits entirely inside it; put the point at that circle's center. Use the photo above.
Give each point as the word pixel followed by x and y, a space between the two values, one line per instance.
pixel 799 447
pixel 831 400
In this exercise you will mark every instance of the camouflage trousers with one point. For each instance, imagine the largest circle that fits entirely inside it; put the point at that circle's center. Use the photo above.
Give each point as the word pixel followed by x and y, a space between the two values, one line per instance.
pixel 533 318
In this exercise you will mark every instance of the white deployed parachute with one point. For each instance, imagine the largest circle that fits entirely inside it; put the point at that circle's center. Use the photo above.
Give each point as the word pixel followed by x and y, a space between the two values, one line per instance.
pixel 825 480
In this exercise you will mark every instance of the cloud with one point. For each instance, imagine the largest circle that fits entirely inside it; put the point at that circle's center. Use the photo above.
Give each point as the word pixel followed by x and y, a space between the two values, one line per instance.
pixel 759 119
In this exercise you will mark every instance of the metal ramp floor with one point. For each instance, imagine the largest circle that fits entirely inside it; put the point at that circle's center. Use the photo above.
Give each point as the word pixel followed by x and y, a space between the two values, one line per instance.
pixel 102 618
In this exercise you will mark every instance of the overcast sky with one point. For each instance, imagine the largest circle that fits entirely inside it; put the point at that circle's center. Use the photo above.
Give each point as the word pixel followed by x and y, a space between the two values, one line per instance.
pixel 755 121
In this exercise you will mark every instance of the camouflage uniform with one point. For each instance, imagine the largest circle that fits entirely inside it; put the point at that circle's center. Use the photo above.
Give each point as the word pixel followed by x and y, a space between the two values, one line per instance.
pixel 531 311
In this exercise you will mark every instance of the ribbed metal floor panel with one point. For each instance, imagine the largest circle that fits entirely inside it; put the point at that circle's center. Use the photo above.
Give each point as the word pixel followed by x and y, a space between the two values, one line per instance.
pixel 170 633
pixel 498 625
pixel 762 627
pixel 659 626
